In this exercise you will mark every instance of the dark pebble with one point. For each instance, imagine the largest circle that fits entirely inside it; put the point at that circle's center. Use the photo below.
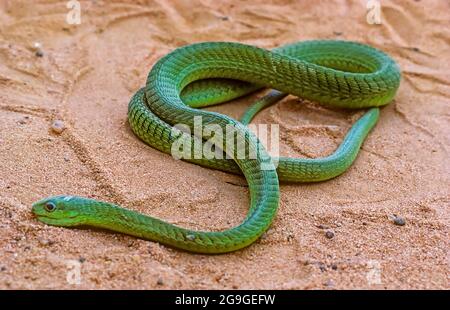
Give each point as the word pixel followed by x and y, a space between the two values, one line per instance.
pixel 39 53
pixel 329 234
pixel 334 266
pixel 82 259
pixel 322 267
pixel 160 281
pixel 3 268
pixel 399 221
pixel 23 121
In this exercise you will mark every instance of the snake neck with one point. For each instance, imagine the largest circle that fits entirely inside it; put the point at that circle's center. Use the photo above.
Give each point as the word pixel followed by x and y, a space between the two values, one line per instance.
pixel 112 217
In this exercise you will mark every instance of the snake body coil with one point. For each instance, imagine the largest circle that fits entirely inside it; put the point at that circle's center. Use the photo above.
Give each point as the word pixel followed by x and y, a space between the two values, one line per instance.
pixel 334 73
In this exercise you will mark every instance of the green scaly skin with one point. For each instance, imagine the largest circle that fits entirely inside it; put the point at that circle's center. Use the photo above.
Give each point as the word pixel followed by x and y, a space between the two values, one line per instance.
pixel 334 73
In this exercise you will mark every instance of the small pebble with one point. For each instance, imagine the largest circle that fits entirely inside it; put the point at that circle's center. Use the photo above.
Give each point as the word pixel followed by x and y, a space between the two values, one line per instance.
pixel 58 126
pixel 334 266
pixel 24 120
pixel 322 267
pixel 329 283
pixel 3 268
pixel 39 53
pixel 329 234
pixel 160 281
pixel 82 259
pixel 45 242
pixel 400 221
pixel 36 46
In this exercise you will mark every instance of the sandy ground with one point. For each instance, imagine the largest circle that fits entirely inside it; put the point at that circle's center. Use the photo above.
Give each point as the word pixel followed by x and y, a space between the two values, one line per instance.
pixel 87 73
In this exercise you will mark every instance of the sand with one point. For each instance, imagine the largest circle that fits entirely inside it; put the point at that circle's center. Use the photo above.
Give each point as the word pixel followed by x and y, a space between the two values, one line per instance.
pixel 84 75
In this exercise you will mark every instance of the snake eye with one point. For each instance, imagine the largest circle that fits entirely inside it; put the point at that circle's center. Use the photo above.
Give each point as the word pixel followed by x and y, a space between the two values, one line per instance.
pixel 50 206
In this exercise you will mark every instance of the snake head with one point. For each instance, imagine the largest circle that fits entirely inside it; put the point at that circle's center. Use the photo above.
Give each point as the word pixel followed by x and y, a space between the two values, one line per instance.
pixel 58 211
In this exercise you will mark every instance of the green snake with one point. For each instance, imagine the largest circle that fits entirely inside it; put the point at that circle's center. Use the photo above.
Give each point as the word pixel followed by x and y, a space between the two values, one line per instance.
pixel 338 74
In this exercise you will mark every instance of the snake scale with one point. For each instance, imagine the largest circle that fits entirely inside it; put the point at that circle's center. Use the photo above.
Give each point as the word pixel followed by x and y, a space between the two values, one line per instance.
pixel 338 74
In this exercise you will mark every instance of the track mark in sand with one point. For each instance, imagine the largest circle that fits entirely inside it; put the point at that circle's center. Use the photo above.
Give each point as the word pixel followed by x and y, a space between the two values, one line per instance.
pixel 343 203
pixel 78 147
pixel 418 212
pixel 418 89
pixel 35 111
pixel 403 116
pixel 98 174
pixel 351 218
pixel 151 203
pixel 263 17
pixel 289 140
pixel 173 14
pixel 138 13
pixel 414 49
pixel 442 36
pixel 430 75
pixel 318 129
pixel 78 75
pixel 417 126
pixel 399 21
pixel 383 157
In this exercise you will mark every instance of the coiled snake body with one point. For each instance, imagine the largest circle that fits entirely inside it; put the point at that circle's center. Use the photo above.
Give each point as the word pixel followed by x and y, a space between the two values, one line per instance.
pixel 334 73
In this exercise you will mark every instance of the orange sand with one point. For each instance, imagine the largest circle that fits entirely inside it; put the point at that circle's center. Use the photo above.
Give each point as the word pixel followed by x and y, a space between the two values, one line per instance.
pixel 88 73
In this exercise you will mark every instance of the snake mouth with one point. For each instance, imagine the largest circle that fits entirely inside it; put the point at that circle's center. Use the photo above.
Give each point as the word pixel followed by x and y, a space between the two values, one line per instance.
pixel 50 219
pixel 66 221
